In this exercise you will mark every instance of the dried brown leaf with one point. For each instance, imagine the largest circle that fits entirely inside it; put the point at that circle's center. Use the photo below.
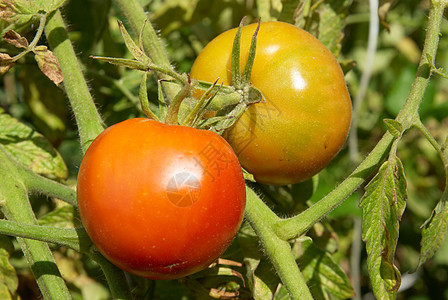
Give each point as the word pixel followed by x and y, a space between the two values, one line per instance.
pixel 48 64
pixel 6 63
pixel 15 39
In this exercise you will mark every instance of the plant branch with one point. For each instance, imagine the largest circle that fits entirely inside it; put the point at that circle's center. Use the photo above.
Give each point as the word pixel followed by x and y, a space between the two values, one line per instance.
pixel 16 208
pixel 88 120
pixel 435 144
pixel 68 237
pixel 43 185
pixel 116 278
pixel 136 17
pixel 261 218
pixel 299 224
pixel 32 45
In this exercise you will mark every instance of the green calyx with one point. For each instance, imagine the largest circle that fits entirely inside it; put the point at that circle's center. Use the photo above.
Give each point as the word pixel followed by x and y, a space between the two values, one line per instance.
pixel 227 103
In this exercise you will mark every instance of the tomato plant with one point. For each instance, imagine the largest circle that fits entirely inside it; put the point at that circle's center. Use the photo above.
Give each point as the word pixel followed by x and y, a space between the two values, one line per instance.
pixel 160 201
pixel 305 118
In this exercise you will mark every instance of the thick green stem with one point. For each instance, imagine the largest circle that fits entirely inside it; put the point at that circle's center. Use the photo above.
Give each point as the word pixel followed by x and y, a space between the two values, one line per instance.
pixel 297 225
pixel 87 117
pixel 261 218
pixel 16 207
pixel 135 16
pixel 116 278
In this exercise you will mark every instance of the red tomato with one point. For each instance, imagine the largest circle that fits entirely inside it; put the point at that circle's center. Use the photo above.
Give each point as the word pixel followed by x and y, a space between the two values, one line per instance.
pixel 160 201
pixel 306 117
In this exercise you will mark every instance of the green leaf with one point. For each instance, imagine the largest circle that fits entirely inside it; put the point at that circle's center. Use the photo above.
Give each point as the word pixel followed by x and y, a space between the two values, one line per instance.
pixel 62 217
pixel 136 52
pixel 18 12
pixel 325 20
pixel 434 230
pixel 8 276
pixel 322 273
pixel 124 62
pixel 383 205
pixel 21 12
pixel 30 148
pixel 332 23
pixel 235 61
pixel 395 127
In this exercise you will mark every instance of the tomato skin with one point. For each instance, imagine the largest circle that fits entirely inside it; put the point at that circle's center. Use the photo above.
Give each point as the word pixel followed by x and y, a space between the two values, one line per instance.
pixel 137 211
pixel 306 117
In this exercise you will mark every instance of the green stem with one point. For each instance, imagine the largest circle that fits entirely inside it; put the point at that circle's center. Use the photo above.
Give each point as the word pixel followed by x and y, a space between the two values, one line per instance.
pixel 115 277
pixel 16 208
pixel 89 121
pixel 440 150
pixel 172 117
pixel 299 224
pixel 136 17
pixel 261 218
pixel 68 237
pixel 32 45
pixel 42 185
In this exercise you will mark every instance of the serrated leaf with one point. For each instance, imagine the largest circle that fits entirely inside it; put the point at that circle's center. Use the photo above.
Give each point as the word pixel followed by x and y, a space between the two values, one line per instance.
pixel 434 230
pixel 30 148
pixel 8 276
pixel 325 20
pixel 21 12
pixel 15 39
pixel 62 217
pixel 17 12
pixel 395 127
pixel 332 23
pixel 383 205
pixel 48 64
pixel 322 273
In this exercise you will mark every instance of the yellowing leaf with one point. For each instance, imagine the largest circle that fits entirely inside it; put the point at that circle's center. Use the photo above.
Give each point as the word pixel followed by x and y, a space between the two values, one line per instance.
pixel 30 148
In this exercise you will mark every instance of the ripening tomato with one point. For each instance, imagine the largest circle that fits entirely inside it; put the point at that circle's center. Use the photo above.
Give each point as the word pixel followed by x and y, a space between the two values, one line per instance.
pixel 160 201
pixel 306 117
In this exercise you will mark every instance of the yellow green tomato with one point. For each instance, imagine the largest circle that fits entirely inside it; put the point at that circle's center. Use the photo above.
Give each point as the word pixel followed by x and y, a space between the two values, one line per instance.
pixel 305 118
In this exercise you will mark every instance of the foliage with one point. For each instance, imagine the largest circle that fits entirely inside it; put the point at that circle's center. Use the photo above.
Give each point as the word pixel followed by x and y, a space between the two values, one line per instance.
pixel 298 240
